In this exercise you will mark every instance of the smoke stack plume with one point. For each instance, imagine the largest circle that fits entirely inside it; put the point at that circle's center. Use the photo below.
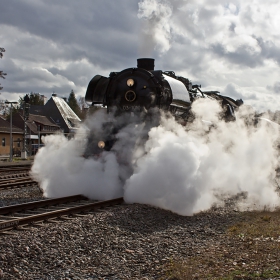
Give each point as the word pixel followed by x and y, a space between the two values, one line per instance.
pixel 156 31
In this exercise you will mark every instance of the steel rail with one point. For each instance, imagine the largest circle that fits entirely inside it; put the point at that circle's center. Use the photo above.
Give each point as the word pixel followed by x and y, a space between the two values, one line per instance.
pixel 39 204
pixel 13 169
pixel 3 166
pixel 13 180
pixel 15 222
pixel 18 184
pixel 12 176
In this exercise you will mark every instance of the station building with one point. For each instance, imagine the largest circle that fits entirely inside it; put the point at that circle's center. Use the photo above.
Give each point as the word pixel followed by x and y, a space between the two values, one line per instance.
pixel 5 133
pixel 53 117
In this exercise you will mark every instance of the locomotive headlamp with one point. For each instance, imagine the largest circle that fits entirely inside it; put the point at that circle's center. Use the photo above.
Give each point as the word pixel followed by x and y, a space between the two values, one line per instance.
pixel 101 144
pixel 130 82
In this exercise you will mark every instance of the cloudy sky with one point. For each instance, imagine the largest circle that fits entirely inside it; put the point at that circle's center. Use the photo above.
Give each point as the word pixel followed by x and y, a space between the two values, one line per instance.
pixel 59 45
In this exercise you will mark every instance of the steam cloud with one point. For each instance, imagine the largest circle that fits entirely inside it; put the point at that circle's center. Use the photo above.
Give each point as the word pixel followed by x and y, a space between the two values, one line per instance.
pixel 156 32
pixel 184 169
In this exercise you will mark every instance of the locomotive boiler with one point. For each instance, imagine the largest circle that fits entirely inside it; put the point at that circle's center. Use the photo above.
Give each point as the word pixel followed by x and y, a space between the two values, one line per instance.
pixel 143 90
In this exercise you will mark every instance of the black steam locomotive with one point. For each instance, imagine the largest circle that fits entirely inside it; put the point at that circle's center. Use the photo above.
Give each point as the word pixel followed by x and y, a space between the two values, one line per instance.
pixel 142 90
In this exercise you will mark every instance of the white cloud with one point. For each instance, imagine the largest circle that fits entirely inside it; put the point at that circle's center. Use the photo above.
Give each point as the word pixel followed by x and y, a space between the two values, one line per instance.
pixel 212 43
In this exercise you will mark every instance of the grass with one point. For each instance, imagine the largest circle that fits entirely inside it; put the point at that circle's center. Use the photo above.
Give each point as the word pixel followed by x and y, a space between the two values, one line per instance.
pixel 247 250
pixel 21 159
pixel 258 224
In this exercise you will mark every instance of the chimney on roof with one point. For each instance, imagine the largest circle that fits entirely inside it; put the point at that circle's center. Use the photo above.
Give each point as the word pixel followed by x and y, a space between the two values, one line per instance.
pixel 54 95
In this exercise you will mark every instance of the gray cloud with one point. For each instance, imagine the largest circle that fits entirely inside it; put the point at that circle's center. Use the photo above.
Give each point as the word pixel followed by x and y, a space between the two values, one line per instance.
pixel 269 50
pixel 232 27
pixel 241 56
pixel 61 45
pixel 231 90
pixel 76 30
pixel 275 88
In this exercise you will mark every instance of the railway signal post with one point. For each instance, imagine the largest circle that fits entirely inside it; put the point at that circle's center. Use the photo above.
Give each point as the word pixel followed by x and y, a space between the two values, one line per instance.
pixel 26 108
pixel 11 128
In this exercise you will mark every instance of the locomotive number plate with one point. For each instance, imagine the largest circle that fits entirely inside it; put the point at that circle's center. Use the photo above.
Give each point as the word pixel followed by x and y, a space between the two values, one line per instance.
pixel 131 108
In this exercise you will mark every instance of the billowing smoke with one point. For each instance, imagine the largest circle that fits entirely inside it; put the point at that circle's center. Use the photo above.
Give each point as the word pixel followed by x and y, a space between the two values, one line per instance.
pixel 188 169
pixel 185 169
pixel 156 33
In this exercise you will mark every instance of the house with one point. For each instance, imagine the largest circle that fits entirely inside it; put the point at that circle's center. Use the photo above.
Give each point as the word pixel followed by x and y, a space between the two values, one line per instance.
pixel 36 127
pixel 57 110
pixel 5 136
pixel 55 116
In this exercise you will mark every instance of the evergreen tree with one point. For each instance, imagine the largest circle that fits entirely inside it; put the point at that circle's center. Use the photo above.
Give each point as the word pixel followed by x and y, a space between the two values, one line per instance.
pixel 2 74
pixel 73 103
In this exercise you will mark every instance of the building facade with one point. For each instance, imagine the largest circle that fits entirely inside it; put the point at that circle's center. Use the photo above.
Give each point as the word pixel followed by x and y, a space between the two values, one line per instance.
pixel 53 117
pixel 5 136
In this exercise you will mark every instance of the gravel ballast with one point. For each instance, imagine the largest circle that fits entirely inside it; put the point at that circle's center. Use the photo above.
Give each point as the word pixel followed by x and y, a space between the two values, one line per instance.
pixel 121 242
pixel 124 242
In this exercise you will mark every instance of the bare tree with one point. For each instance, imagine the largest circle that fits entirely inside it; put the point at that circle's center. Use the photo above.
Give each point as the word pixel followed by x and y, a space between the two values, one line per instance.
pixel 2 74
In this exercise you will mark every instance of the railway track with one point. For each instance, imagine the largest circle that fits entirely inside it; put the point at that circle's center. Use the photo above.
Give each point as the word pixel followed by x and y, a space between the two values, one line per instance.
pixel 16 176
pixel 6 173
pixel 14 169
pixel 19 215
pixel 17 183
pixel 16 180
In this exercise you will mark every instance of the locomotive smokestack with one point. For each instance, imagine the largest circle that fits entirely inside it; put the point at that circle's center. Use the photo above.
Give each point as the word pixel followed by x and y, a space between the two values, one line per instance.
pixel 146 63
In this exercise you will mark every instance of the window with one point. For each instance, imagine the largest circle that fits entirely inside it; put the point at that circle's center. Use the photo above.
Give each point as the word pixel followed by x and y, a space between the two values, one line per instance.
pixel 18 142
pixel 3 141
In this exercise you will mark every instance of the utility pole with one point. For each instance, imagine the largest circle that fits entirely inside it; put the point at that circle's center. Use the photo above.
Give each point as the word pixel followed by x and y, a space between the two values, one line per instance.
pixel 26 108
pixel 39 142
pixel 11 128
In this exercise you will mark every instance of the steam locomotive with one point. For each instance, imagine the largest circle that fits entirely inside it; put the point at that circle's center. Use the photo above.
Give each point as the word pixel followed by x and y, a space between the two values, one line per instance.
pixel 142 90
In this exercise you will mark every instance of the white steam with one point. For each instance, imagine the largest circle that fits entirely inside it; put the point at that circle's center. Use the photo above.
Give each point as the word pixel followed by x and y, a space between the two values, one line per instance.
pixel 188 171
pixel 61 170
pixel 182 169
pixel 156 32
